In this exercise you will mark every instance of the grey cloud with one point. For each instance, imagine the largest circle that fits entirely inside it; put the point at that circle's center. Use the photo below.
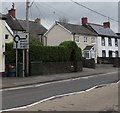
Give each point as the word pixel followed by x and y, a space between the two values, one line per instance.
pixel 51 11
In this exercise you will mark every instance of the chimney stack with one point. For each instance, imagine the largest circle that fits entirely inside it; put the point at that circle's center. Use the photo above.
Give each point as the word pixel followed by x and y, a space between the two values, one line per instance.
pixel 12 11
pixel 106 24
pixel 38 20
pixel 84 20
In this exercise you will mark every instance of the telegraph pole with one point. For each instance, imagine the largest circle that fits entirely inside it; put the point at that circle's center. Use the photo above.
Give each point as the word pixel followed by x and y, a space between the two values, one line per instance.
pixel 27 30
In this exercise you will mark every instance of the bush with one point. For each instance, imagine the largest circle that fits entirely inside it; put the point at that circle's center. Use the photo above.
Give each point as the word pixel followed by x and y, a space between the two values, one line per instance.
pixel 49 53
pixel 67 51
pixel 76 53
pixel 10 53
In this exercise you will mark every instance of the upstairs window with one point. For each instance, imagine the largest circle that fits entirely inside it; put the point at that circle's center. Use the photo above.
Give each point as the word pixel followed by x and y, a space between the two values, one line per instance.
pixel 77 39
pixel 109 42
pixel 103 41
pixel 92 40
pixel 116 42
pixel 6 36
pixel 85 40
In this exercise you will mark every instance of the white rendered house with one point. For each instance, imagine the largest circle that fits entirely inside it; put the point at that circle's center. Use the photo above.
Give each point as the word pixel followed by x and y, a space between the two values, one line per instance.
pixel 2 44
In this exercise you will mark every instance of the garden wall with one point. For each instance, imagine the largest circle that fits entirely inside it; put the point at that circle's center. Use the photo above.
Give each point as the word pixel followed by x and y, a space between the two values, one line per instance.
pixel 89 63
pixel 47 68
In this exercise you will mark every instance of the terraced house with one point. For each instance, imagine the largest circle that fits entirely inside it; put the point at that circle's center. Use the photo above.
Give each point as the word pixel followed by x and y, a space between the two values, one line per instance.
pixel 96 41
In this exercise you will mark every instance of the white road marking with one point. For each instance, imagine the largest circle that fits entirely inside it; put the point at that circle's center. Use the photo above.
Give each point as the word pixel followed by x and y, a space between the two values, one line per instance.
pixel 43 84
pixel 54 97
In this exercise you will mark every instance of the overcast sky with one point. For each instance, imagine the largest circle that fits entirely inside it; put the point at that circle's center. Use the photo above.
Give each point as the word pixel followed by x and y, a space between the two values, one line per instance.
pixel 49 12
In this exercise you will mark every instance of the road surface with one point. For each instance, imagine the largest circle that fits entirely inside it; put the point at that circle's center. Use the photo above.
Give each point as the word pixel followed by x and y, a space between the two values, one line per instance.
pixel 24 96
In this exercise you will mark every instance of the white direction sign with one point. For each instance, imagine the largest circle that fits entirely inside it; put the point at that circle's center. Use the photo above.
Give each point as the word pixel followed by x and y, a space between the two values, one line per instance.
pixel 21 41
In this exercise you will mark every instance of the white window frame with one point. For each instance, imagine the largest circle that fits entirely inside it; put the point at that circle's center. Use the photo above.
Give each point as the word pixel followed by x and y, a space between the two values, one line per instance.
pixel 93 40
pixel 103 41
pixel 104 55
pixel 116 42
pixel 109 41
pixel 85 40
pixel 77 39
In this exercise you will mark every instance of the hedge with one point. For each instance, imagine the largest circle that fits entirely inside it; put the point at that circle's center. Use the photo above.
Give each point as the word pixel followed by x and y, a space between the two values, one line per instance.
pixel 11 55
pixel 76 53
pixel 49 53
pixel 66 51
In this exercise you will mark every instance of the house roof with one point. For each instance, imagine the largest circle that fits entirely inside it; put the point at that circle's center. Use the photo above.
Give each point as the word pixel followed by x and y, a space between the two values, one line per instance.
pixel 2 17
pixel 118 34
pixel 100 30
pixel 77 29
pixel 87 48
pixel 34 27
pixel 13 23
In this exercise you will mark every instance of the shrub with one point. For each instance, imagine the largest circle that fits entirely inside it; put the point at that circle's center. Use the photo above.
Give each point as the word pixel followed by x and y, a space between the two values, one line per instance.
pixel 49 53
pixel 67 51
pixel 76 53
pixel 10 53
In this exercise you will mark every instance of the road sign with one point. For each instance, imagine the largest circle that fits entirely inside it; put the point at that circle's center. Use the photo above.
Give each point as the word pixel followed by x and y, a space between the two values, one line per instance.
pixel 21 41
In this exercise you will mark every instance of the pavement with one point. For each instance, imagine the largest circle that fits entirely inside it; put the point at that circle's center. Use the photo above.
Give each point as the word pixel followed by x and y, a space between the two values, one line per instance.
pixel 10 82
pixel 99 99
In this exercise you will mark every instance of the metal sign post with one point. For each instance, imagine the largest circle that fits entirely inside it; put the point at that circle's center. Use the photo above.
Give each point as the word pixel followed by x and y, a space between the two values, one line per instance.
pixel 21 41
pixel 16 62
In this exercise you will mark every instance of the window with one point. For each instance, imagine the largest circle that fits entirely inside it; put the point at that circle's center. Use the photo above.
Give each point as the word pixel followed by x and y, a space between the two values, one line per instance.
pixel 85 39
pixel 6 36
pixel 103 53
pixel 116 42
pixel 116 54
pixel 110 54
pixel 109 42
pixel 103 41
pixel 77 39
pixel 92 40
pixel 86 54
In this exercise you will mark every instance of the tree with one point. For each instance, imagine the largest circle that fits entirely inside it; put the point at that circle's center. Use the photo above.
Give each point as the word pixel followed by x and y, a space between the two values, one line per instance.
pixel 63 19
pixel 35 40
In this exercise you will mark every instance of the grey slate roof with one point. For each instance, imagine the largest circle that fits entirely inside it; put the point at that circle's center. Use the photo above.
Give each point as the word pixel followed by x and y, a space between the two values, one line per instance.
pixel 34 27
pixel 13 23
pixel 100 30
pixel 77 29
pixel 118 34
pixel 2 17
pixel 87 48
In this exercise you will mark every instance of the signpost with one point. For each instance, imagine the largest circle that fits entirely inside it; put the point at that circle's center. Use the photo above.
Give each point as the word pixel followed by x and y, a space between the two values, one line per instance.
pixel 21 41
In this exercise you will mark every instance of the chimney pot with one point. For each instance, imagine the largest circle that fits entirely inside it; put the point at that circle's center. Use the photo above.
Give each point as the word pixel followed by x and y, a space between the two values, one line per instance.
pixel 84 20
pixel 106 24
pixel 12 11
pixel 38 20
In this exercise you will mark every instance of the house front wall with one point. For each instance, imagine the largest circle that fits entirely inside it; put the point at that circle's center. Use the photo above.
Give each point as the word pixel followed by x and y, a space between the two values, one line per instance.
pixel 9 33
pixel 82 44
pixel 107 48
pixel 57 35
pixel 2 46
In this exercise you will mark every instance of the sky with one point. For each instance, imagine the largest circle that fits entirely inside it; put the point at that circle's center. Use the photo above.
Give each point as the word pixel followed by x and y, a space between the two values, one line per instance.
pixel 51 11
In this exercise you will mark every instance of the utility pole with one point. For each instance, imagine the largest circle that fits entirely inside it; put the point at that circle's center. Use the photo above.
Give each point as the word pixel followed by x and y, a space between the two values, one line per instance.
pixel 27 30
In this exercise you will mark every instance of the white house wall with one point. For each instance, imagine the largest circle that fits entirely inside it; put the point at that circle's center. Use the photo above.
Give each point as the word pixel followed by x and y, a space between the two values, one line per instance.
pixel 8 32
pixel 106 47
pixel 2 46
pixel 57 35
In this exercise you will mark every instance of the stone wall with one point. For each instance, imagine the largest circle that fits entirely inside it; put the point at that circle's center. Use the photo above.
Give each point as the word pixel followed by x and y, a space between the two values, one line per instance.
pixel 47 68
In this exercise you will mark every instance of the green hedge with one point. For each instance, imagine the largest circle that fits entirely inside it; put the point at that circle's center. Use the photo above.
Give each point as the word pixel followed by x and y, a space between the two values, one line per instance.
pixel 76 53
pixel 10 53
pixel 49 53
pixel 66 51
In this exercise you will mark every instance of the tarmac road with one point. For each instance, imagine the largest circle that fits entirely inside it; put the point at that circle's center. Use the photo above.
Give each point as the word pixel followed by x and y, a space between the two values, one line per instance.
pixel 24 96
